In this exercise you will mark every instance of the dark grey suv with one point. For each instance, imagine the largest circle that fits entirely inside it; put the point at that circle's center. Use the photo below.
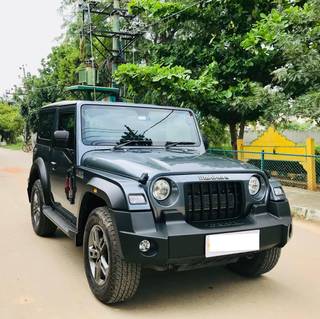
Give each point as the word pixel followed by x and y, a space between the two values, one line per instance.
pixel 134 185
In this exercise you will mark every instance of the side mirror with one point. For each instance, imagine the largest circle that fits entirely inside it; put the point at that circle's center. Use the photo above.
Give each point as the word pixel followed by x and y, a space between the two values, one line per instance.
pixel 61 138
pixel 205 141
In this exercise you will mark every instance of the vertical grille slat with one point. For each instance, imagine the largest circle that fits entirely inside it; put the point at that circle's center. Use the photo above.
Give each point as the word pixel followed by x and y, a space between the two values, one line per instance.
pixel 201 201
pixel 218 201
pixel 235 189
pixel 192 196
pixel 227 199
pixel 213 201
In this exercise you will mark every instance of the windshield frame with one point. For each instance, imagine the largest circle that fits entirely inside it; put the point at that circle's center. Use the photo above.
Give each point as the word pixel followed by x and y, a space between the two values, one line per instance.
pixel 155 107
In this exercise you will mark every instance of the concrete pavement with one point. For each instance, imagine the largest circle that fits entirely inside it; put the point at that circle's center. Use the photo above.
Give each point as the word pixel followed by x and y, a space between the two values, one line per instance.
pixel 44 277
pixel 304 203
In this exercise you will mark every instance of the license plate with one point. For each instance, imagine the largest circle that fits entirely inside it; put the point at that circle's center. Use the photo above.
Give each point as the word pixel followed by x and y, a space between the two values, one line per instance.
pixel 232 243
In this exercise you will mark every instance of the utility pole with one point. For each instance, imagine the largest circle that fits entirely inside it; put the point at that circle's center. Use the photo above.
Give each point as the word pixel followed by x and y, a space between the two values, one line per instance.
pixel 115 39
pixel 27 130
pixel 109 30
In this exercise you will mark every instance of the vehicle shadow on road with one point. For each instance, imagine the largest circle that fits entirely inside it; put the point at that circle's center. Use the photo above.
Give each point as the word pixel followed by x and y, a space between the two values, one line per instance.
pixel 198 288
pixel 207 288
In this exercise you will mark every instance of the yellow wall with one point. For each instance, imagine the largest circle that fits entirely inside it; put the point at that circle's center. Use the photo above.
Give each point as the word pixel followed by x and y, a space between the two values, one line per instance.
pixel 271 141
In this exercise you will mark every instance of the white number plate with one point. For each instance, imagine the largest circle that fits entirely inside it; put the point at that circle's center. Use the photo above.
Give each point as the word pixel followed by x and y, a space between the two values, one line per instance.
pixel 232 243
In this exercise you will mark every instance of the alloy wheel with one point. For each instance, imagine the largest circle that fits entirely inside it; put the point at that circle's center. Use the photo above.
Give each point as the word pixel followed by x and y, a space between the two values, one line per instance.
pixel 36 208
pixel 98 255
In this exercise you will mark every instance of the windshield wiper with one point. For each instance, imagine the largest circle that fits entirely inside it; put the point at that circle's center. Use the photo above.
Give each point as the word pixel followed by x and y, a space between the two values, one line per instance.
pixel 138 142
pixel 173 144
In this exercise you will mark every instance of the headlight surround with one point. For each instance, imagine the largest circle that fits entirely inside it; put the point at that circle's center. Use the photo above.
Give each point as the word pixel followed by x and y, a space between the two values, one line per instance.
pixel 161 189
pixel 254 185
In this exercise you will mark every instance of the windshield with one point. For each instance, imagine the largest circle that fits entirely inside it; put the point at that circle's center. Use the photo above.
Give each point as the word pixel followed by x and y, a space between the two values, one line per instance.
pixel 113 125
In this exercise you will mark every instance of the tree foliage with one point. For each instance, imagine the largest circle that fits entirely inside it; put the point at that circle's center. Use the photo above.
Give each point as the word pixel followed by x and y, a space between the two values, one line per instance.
pixel 292 34
pixel 11 123
pixel 235 61
pixel 57 71
pixel 224 79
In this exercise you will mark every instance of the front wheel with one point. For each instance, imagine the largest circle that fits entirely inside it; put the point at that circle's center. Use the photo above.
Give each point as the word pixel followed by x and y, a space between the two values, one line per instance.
pixel 110 278
pixel 256 264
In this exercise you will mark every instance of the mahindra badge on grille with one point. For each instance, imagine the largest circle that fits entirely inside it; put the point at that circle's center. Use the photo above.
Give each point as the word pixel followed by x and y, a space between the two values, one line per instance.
pixel 213 178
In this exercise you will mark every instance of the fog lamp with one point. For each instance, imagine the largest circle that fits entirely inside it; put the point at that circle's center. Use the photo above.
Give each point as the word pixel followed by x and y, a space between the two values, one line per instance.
pixel 144 246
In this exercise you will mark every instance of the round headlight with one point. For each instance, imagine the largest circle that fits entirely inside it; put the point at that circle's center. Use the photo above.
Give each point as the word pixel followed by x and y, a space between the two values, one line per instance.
pixel 161 189
pixel 254 185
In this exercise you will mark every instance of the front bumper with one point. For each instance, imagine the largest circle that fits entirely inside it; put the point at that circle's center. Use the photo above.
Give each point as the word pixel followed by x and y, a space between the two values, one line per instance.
pixel 175 242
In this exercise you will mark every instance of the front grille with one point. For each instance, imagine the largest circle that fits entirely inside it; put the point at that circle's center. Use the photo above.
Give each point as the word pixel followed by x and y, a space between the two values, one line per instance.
pixel 213 201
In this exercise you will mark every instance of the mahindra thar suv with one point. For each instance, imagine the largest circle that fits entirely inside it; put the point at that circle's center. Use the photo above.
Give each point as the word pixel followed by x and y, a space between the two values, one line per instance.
pixel 134 185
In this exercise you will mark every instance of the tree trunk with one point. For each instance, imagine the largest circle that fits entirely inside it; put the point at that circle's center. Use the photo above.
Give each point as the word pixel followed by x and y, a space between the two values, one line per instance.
pixel 233 134
pixel 241 130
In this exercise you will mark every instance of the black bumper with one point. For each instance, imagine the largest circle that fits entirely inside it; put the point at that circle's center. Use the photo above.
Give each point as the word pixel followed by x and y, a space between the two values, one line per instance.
pixel 175 242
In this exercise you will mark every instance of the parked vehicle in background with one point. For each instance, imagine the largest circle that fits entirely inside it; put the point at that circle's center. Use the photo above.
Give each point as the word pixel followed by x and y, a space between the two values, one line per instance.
pixel 134 185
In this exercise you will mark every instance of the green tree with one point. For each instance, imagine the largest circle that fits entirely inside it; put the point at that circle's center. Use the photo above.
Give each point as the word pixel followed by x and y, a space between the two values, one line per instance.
pixel 292 34
pixel 57 71
pixel 11 123
pixel 206 41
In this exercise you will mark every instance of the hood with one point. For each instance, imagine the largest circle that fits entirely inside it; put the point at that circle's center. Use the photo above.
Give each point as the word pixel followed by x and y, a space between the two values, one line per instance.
pixel 134 163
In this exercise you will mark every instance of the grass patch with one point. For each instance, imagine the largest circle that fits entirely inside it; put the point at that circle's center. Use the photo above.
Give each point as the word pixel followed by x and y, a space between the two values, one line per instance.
pixel 16 147
pixel 224 147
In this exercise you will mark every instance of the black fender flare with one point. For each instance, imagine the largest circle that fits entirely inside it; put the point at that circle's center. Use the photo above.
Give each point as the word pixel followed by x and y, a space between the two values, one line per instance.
pixel 39 170
pixel 110 192
pixel 106 192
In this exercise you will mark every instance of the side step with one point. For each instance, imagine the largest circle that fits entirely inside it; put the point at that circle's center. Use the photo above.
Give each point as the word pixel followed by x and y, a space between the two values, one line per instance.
pixel 61 220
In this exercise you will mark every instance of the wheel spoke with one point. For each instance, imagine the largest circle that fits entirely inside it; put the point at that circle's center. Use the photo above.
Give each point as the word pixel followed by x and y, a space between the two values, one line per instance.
pixel 95 237
pixel 104 266
pixel 102 243
pixel 97 275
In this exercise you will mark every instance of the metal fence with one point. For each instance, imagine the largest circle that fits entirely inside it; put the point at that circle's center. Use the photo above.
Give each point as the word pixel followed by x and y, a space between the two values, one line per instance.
pixel 291 169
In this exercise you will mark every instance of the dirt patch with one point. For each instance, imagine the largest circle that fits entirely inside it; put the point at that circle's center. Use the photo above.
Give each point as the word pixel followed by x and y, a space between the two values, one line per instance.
pixel 12 170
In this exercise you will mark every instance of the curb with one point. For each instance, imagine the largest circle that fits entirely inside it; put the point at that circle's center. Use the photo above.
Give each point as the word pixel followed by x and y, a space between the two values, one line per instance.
pixel 306 213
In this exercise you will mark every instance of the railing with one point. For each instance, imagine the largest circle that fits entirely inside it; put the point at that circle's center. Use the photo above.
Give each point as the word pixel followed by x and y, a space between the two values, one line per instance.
pixel 291 169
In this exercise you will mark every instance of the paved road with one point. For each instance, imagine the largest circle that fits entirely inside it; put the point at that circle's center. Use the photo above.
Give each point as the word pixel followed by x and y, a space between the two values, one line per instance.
pixel 44 278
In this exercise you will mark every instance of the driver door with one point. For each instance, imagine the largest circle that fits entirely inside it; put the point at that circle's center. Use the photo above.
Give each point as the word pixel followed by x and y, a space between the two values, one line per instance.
pixel 63 160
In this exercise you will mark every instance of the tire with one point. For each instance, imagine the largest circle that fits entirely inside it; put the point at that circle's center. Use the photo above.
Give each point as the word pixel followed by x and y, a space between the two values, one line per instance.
pixel 257 264
pixel 42 226
pixel 110 278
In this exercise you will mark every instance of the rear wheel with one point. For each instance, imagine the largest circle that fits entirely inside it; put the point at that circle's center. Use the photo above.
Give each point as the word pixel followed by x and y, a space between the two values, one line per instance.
pixel 256 264
pixel 42 226
pixel 111 279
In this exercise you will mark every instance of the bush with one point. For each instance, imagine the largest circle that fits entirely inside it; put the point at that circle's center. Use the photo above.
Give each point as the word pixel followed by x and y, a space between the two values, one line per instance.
pixel 11 123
